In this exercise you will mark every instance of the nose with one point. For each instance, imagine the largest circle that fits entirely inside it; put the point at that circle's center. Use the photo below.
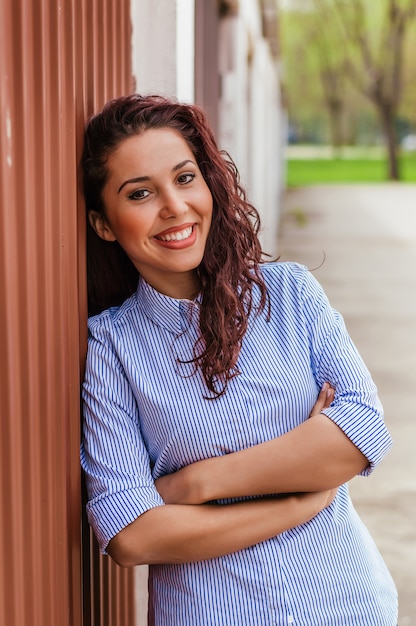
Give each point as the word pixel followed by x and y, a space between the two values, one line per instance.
pixel 172 203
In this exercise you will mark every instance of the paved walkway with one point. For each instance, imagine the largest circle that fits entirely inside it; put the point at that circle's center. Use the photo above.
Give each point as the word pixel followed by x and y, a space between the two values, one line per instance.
pixel 362 240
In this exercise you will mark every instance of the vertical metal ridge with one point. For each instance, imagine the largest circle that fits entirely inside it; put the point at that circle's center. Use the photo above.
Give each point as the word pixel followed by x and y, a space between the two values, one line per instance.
pixel 52 74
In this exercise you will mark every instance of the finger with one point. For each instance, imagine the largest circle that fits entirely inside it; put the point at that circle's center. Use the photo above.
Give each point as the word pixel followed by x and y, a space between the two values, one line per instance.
pixel 321 400
pixel 330 394
pixel 324 400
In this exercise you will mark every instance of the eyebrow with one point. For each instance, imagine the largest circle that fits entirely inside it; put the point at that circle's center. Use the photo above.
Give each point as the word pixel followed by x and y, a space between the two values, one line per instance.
pixel 141 179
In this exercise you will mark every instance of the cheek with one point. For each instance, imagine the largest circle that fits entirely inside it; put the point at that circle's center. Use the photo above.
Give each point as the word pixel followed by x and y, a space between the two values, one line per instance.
pixel 208 205
pixel 131 226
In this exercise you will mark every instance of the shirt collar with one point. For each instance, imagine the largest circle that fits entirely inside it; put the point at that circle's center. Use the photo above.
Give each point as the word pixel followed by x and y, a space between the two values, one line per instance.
pixel 170 313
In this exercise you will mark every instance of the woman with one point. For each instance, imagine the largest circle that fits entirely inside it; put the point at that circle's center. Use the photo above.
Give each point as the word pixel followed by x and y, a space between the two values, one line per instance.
pixel 204 365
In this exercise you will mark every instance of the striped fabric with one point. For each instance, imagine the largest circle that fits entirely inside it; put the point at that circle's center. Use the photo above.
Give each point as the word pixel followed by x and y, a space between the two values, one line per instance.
pixel 145 416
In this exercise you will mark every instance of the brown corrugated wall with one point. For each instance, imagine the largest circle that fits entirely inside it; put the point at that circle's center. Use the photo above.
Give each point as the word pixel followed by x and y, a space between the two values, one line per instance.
pixel 59 61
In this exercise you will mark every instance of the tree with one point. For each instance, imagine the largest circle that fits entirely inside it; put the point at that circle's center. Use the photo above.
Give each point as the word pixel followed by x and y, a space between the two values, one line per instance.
pixel 364 41
pixel 375 64
pixel 311 76
pixel 314 73
pixel 330 60
pixel 408 103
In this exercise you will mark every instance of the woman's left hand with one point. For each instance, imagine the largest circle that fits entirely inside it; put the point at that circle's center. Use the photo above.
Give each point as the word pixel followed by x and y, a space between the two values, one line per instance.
pixel 176 488
pixel 164 486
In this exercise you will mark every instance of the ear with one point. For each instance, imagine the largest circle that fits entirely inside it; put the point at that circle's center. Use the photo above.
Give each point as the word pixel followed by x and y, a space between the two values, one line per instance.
pixel 101 226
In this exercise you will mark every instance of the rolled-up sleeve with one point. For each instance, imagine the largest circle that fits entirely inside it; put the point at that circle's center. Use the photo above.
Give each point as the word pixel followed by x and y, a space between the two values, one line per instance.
pixel 356 408
pixel 113 455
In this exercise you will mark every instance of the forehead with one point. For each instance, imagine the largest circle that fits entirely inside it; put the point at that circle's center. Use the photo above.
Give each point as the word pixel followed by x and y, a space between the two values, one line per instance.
pixel 150 148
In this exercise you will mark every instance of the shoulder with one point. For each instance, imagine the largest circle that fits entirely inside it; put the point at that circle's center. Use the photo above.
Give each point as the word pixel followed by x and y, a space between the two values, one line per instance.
pixel 112 321
pixel 108 336
pixel 284 275
pixel 293 286
pixel 282 268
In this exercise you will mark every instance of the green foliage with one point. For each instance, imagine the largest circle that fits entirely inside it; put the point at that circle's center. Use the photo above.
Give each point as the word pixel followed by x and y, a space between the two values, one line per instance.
pixel 316 43
pixel 301 81
pixel 408 104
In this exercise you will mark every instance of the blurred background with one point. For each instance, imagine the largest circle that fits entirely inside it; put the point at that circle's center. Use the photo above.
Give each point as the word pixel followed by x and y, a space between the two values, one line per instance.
pixel 350 84
pixel 316 102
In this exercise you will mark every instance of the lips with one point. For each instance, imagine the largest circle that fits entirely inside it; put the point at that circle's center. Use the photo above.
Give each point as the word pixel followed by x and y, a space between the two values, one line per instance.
pixel 177 235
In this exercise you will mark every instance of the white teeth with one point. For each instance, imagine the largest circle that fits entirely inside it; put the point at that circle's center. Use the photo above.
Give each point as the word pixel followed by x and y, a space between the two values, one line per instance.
pixel 179 236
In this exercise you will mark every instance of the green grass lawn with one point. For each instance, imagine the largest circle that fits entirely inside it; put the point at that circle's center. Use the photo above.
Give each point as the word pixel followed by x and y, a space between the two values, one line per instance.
pixel 314 171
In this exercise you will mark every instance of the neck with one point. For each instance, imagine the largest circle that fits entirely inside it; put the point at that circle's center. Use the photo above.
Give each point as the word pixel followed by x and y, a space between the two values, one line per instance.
pixel 184 288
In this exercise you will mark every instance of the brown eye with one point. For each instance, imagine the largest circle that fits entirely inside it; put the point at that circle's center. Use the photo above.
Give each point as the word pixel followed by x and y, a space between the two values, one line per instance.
pixel 184 179
pixel 139 194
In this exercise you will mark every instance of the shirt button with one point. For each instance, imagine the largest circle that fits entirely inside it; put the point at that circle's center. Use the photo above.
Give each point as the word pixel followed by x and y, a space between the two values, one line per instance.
pixel 290 619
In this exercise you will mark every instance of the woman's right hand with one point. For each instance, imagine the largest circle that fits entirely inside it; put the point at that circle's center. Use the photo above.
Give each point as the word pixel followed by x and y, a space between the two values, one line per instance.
pixel 325 397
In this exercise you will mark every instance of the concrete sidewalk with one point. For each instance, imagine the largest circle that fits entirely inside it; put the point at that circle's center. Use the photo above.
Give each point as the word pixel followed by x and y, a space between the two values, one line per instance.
pixel 362 240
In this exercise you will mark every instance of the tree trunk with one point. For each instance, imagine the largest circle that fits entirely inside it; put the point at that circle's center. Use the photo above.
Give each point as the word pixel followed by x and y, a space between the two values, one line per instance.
pixel 335 109
pixel 387 117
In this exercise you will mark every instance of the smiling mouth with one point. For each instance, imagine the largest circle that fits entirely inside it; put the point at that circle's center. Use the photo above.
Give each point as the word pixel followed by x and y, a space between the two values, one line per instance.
pixel 180 235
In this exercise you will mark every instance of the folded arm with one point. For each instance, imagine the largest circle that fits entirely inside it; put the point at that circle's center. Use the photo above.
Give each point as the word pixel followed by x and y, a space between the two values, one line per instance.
pixel 129 517
pixel 186 533
pixel 315 456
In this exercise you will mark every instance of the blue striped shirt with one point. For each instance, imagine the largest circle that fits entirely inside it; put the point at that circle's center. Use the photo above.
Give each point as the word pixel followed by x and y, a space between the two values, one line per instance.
pixel 145 415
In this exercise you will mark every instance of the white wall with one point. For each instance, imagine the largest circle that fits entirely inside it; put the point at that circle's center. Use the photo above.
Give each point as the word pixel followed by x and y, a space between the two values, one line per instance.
pixel 250 115
pixel 163 47
pixel 153 46
pixel 233 104
pixel 185 50
pixel 264 140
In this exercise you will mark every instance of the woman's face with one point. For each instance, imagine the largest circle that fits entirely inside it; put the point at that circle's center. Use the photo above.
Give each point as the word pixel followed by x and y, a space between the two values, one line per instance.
pixel 159 209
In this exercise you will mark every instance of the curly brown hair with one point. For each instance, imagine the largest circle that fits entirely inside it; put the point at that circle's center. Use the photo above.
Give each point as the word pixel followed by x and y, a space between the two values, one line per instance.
pixel 230 268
